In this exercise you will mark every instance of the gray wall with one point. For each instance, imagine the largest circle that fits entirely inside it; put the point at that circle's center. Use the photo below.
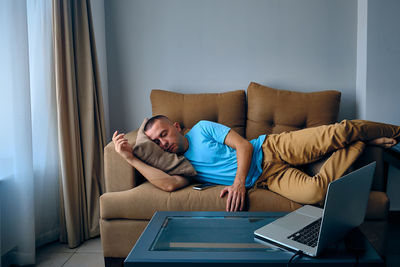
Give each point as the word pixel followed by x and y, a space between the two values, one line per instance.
pixel 196 46
pixel 381 88
pixel 383 61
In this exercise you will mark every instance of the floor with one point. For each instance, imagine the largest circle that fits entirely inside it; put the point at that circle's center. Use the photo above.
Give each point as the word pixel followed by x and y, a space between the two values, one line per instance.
pixel 90 253
pixel 393 245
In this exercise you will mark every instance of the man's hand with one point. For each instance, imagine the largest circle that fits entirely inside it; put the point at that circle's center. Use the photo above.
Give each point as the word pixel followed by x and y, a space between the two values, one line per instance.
pixel 236 196
pixel 122 146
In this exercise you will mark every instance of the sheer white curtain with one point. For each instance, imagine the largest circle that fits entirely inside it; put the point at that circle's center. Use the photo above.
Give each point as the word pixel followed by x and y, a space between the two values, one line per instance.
pixel 29 198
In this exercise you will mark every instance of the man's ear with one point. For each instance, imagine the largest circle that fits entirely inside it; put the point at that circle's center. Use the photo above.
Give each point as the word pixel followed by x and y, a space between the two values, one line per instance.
pixel 177 126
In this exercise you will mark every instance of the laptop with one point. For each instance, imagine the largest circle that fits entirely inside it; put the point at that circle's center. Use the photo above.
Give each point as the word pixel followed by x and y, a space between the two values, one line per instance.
pixel 310 229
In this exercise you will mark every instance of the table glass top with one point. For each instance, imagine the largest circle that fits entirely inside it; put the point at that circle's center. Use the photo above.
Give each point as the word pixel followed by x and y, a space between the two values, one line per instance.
pixel 210 233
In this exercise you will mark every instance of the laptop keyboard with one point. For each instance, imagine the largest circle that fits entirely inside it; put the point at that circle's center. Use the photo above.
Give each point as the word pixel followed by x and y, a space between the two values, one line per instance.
pixel 308 235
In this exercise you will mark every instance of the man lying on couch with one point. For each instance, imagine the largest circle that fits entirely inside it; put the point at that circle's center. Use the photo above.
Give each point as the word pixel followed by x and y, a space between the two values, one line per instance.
pixel 221 156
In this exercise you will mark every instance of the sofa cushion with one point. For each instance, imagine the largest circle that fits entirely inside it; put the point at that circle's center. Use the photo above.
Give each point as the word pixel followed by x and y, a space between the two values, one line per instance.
pixel 378 206
pixel 275 111
pixel 152 154
pixel 226 108
pixel 143 201
pixel 266 200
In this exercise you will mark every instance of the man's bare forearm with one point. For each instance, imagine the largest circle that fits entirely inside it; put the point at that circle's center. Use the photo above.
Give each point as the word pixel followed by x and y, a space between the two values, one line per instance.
pixel 157 177
pixel 244 152
pixel 244 155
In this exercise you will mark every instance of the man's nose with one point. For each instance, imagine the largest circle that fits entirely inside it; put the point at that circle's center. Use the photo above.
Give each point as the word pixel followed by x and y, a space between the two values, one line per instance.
pixel 163 144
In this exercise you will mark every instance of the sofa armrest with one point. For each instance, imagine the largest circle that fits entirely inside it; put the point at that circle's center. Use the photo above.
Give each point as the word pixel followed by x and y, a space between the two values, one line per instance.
pixel 118 174
pixel 370 154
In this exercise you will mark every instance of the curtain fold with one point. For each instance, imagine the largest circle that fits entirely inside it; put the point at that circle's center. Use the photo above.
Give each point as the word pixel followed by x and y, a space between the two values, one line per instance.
pixel 80 120
pixel 28 140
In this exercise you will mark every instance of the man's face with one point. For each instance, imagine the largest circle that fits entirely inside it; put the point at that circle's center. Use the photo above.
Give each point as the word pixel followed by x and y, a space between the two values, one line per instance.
pixel 168 136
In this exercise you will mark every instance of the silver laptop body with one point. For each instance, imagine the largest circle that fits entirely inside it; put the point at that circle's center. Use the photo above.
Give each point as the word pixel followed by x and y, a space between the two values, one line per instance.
pixel 345 207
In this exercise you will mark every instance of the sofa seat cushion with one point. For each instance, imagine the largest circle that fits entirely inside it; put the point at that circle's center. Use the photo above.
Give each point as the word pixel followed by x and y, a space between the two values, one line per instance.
pixel 378 206
pixel 265 200
pixel 143 201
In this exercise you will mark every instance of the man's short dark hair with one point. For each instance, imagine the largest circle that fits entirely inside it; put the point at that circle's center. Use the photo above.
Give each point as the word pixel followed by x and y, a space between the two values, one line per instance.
pixel 152 120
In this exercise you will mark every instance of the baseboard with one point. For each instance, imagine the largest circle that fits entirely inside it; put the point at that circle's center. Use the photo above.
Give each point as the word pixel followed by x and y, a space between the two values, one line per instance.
pixel 114 262
pixel 48 237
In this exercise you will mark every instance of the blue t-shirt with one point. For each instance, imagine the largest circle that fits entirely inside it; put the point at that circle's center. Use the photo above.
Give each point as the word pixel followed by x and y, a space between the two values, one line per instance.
pixel 216 162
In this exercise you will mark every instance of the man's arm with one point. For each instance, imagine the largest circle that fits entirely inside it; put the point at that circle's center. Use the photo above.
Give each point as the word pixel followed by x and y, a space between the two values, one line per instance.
pixel 244 153
pixel 155 176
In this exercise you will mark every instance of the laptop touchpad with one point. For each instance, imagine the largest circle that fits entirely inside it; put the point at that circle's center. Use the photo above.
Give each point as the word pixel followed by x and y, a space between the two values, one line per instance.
pixel 294 221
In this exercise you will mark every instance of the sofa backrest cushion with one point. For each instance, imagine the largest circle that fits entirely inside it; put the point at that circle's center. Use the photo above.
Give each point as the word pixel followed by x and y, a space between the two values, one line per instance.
pixel 226 108
pixel 275 111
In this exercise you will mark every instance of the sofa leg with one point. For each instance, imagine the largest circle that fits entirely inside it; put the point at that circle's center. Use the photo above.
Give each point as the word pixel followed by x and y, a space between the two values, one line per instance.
pixel 113 262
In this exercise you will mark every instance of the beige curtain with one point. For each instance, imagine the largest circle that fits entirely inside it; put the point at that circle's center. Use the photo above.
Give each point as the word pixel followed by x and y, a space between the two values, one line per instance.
pixel 80 120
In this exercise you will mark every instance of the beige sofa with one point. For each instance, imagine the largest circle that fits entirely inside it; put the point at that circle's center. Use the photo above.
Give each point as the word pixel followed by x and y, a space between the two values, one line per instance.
pixel 130 201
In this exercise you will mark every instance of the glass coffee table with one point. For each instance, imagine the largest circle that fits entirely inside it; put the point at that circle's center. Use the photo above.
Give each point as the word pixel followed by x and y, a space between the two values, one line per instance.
pixel 226 238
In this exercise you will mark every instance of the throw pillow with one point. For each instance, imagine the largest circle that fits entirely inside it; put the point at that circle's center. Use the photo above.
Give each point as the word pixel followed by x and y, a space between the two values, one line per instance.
pixel 149 152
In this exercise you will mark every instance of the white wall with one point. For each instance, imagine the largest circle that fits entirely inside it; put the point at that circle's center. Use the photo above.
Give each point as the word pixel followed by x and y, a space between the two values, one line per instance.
pixel 196 46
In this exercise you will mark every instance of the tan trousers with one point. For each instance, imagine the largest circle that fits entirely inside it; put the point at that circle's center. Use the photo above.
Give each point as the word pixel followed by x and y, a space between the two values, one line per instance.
pixel 282 152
